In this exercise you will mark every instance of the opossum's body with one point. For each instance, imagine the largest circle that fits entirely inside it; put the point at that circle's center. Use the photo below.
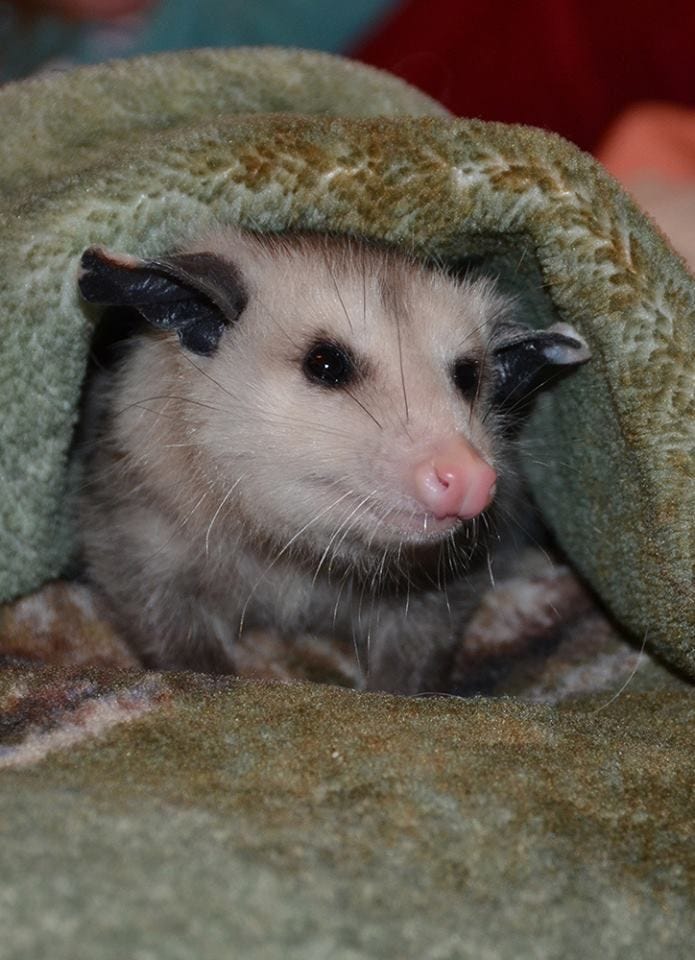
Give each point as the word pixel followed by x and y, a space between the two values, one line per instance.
pixel 325 447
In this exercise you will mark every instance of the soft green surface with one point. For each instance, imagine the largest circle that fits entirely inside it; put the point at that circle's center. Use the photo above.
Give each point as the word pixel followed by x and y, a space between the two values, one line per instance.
pixel 267 821
pixel 138 155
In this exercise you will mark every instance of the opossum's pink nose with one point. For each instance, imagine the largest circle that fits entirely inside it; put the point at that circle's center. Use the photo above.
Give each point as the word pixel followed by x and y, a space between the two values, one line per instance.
pixel 455 482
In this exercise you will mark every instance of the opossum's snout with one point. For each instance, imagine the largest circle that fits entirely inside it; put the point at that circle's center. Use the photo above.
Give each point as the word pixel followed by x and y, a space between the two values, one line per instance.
pixel 455 482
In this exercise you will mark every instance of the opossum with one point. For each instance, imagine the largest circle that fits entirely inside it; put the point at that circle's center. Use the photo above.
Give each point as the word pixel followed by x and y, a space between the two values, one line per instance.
pixel 311 434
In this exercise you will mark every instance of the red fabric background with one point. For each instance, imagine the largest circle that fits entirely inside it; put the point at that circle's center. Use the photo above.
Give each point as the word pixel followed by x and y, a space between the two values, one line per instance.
pixel 566 65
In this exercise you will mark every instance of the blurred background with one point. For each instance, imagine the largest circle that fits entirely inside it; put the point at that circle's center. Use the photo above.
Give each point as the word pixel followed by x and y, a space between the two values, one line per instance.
pixel 615 77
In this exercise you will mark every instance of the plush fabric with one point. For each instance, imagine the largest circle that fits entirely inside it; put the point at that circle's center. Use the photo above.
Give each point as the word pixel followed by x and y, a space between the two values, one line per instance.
pixel 139 155
pixel 148 815
pixel 178 816
pixel 152 816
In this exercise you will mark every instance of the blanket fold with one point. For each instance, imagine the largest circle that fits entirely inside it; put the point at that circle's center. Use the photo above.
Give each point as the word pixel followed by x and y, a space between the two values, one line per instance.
pixel 174 816
pixel 142 155
pixel 299 820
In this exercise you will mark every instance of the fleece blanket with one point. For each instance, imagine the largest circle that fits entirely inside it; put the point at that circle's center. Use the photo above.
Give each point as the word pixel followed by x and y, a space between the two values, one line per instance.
pixel 176 816
pixel 139 155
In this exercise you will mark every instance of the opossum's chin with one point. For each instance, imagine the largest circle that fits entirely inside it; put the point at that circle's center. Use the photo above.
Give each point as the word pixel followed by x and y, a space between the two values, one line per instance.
pixel 369 541
pixel 356 521
pixel 381 526
pixel 411 527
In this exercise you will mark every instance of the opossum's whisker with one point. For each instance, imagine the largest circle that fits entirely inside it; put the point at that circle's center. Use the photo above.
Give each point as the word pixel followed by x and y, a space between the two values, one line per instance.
pixel 461 561
pixel 441 580
pixel 381 569
pixel 172 446
pixel 441 566
pixel 497 316
pixel 482 375
pixel 630 678
pixel 397 558
pixel 195 507
pixel 338 294
pixel 196 366
pixel 348 578
pixel 513 523
pixel 488 560
pixel 517 265
pixel 345 522
pixel 543 463
pixel 344 579
pixel 164 396
pixel 484 520
pixel 369 631
pixel 346 532
pixel 474 331
pixel 528 447
pixel 309 424
pixel 364 294
pixel 278 556
pixel 218 511
pixel 523 399
pixel 271 315
pixel 360 404
pixel 400 364
pixel 380 519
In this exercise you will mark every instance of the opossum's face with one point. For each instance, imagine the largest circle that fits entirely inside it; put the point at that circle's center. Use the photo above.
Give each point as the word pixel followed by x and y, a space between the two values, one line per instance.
pixel 345 396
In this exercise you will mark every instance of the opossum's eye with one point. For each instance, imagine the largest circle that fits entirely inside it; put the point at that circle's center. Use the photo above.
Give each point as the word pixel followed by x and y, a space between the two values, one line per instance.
pixel 466 374
pixel 329 364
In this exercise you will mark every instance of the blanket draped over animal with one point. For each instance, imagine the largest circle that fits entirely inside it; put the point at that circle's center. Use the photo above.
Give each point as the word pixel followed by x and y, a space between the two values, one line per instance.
pixel 140 156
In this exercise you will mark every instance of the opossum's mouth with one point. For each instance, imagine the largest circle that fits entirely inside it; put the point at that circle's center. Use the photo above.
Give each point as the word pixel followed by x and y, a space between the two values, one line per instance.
pixel 412 525
pixel 403 521
pixel 381 522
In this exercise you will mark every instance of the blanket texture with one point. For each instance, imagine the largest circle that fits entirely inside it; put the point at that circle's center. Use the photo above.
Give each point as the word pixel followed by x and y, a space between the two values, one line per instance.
pixel 148 815
pixel 140 155
pixel 170 818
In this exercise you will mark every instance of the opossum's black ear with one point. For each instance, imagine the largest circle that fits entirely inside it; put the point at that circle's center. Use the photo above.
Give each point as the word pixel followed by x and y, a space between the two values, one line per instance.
pixel 526 361
pixel 195 294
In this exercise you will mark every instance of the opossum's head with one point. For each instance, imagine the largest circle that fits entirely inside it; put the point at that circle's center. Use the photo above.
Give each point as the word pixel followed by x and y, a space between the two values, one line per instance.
pixel 343 395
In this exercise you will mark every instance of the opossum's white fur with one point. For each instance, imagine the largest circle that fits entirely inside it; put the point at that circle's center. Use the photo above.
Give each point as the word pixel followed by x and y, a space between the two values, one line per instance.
pixel 226 492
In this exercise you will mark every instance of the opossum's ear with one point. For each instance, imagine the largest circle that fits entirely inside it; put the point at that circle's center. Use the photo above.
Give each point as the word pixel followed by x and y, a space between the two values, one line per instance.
pixel 526 361
pixel 195 294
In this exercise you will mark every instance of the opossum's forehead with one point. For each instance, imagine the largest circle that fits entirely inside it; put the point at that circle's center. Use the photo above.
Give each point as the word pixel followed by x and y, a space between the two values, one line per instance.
pixel 362 296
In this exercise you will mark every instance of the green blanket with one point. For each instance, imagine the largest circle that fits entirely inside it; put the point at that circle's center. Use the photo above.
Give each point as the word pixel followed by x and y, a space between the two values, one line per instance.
pixel 216 819
pixel 183 816
pixel 139 155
